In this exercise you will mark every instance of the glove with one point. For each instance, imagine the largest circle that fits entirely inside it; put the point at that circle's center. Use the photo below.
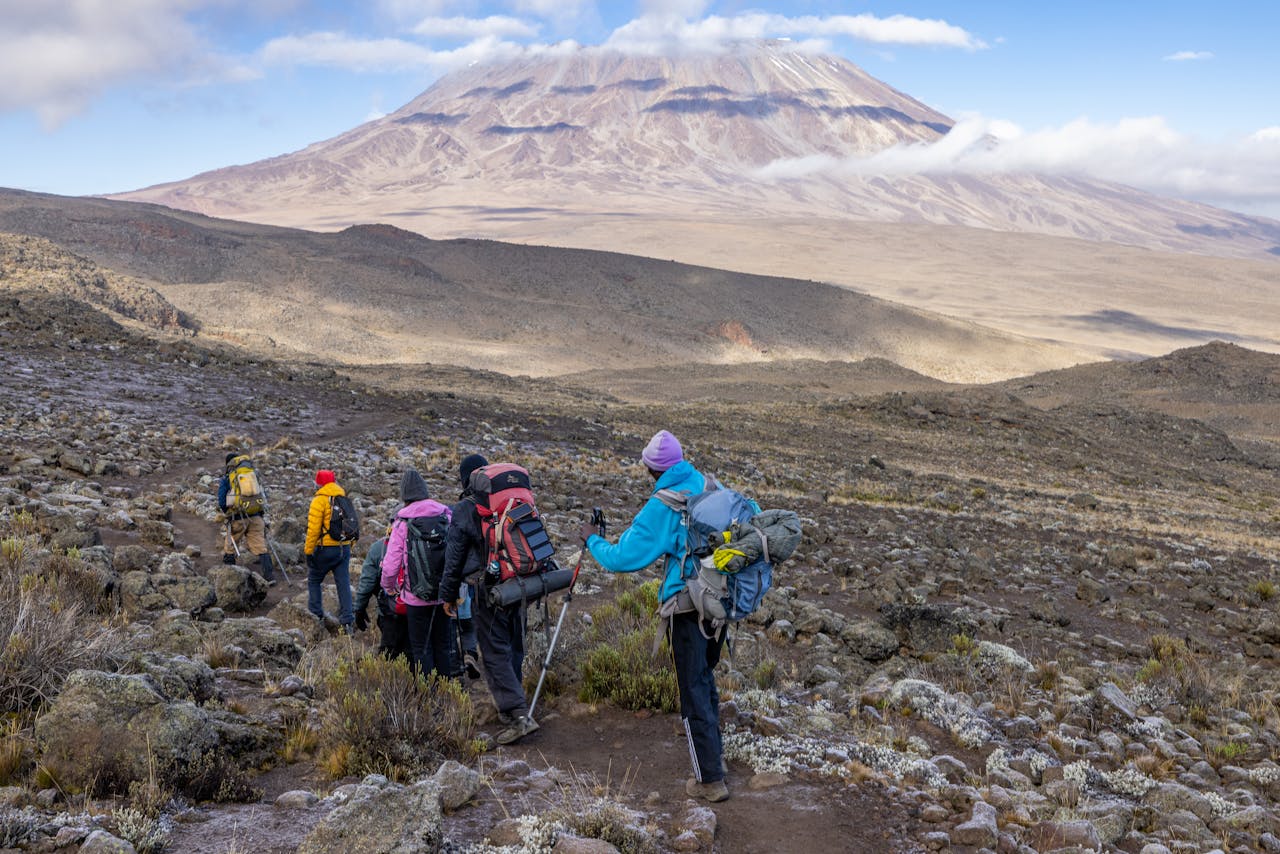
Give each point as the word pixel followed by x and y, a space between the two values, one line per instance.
pixel 723 555
pixel 362 619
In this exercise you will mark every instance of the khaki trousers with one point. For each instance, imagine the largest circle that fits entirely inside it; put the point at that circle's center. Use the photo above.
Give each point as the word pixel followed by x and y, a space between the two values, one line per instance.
pixel 252 529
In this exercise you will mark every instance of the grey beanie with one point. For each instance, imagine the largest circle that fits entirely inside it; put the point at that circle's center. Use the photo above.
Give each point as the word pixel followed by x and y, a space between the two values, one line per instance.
pixel 413 487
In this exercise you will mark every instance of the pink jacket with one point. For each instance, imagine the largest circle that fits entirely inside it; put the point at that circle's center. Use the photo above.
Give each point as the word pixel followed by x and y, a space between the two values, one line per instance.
pixel 394 560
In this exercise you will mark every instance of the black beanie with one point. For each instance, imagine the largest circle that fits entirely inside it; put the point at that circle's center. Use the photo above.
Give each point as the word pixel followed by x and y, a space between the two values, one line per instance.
pixel 468 465
pixel 413 487
pixel 231 456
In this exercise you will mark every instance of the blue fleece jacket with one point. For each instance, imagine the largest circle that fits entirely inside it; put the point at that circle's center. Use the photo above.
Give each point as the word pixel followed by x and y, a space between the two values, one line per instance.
pixel 656 531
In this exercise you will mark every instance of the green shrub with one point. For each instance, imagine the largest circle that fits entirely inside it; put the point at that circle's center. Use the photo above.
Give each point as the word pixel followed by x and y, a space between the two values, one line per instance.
pixel 626 674
pixel 378 717
pixel 617 663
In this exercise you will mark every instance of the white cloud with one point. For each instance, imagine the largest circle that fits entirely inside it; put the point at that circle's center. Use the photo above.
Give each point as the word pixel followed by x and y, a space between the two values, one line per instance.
pixel 678 8
pixel 338 50
pixel 659 33
pixel 551 8
pixel 501 26
pixel 59 56
pixel 1140 152
pixel 1188 56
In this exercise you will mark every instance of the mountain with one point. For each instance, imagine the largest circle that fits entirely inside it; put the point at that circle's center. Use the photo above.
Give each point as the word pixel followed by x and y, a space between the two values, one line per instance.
pixel 604 134
pixel 376 294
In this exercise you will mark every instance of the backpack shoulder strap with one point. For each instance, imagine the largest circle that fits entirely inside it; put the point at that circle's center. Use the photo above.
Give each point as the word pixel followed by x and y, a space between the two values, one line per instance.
pixel 677 500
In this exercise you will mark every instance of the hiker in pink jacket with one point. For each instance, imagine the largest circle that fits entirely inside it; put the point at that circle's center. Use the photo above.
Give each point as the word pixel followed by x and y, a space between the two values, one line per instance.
pixel 412 568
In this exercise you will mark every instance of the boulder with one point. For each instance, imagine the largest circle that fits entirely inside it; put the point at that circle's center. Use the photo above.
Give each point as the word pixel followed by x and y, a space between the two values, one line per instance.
pixel 869 639
pixel 582 845
pixel 928 627
pixel 381 820
pixel 178 677
pixel 263 643
pixel 1051 835
pixel 108 727
pixel 141 591
pixel 237 588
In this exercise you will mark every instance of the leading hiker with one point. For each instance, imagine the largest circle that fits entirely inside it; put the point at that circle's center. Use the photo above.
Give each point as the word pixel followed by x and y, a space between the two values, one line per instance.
pixel 656 532
pixel 244 505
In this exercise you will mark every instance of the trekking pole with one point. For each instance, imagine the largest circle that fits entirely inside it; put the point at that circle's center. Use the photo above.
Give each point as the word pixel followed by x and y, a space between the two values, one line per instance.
pixel 287 580
pixel 597 519
pixel 266 535
pixel 232 537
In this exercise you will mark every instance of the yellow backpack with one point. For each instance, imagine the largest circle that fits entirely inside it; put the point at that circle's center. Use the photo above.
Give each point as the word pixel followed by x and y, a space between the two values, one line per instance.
pixel 245 497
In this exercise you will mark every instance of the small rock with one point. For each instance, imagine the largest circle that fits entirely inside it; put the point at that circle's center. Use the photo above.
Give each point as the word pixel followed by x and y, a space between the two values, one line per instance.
pixel 583 845
pixel 297 799
pixel 458 784
pixel 101 842
pixel 767 780
pixel 1154 848
pixel 702 823
pixel 48 797
pixel 980 830
pixel 516 769
pixel 937 840
pixel 934 813
pixel 506 833
pixel 686 842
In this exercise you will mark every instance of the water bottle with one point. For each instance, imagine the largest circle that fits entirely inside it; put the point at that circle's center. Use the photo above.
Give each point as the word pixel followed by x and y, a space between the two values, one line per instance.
pixel 493 572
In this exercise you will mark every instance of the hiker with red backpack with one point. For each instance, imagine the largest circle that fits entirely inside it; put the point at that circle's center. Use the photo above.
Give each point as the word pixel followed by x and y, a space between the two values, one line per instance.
pixel 393 622
pixel 243 504
pixel 412 569
pixel 331 529
pixel 468 559
pixel 659 531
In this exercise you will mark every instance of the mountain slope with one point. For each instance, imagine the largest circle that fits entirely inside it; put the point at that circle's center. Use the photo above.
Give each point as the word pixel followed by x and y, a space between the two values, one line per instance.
pixel 603 134
pixel 379 294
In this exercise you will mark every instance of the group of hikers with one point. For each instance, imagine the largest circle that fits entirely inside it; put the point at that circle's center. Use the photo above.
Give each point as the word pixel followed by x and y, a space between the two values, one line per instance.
pixel 448 623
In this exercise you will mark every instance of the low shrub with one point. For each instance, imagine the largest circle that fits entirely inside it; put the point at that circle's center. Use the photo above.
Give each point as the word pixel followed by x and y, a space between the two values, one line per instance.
pixel 378 717
pixel 618 665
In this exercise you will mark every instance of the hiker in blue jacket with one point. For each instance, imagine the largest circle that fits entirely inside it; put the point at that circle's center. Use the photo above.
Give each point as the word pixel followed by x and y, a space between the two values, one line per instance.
pixel 658 531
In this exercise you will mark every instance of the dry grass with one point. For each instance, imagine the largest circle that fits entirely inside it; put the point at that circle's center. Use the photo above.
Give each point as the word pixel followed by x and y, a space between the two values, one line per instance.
pixel 379 717
pixel 51 623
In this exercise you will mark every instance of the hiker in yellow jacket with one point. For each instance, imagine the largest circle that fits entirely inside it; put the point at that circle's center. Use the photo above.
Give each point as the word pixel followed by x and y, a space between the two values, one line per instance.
pixel 325 554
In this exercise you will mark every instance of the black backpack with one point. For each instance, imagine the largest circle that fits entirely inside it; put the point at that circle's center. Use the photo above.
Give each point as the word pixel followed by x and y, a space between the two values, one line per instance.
pixel 344 524
pixel 424 539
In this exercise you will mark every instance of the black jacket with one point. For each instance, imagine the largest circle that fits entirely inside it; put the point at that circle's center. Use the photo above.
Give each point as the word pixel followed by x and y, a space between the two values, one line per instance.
pixel 465 553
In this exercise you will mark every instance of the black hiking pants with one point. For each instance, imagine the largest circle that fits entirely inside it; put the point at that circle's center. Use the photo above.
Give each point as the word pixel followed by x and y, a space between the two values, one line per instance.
pixel 432 640
pixel 695 660
pixel 394 629
pixel 500 634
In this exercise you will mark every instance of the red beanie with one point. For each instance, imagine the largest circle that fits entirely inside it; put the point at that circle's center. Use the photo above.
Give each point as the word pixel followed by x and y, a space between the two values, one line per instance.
pixel 324 476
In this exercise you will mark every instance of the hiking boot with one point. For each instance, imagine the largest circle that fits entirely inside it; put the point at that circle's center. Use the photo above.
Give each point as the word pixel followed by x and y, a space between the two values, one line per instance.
pixel 266 570
pixel 520 727
pixel 713 792
pixel 505 719
pixel 471 663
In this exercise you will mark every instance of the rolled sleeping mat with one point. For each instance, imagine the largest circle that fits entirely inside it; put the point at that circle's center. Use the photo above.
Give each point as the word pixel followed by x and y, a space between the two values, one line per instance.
pixel 529 588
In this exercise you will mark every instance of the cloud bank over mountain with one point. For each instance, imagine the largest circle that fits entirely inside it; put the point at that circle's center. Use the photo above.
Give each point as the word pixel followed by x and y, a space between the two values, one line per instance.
pixel 1142 152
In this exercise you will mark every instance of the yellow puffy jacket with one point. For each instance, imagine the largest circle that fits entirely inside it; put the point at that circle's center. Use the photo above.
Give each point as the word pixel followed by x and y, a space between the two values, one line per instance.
pixel 318 518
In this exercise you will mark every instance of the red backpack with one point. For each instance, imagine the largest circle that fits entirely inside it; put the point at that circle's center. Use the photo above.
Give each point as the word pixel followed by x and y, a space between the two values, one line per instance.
pixel 514 535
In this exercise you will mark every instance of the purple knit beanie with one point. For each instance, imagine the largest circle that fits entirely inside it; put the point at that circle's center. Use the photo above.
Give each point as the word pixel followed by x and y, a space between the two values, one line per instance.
pixel 662 452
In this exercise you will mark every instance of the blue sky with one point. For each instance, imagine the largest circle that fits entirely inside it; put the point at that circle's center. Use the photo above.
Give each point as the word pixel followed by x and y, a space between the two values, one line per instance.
pixel 105 95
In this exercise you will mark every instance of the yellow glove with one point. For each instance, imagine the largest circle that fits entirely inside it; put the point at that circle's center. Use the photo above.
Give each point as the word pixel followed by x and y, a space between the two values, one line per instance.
pixel 724 555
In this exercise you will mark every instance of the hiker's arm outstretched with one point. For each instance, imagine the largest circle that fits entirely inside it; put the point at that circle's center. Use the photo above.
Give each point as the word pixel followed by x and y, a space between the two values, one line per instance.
pixel 651 535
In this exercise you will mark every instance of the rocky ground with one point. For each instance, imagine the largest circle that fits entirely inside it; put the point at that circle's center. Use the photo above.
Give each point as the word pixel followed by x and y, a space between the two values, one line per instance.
pixel 1009 627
